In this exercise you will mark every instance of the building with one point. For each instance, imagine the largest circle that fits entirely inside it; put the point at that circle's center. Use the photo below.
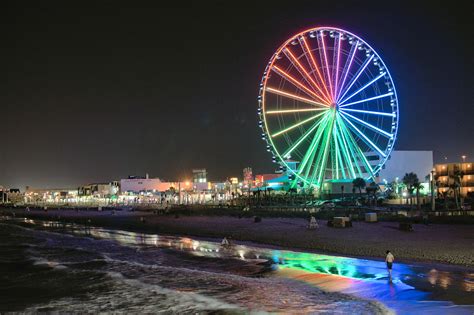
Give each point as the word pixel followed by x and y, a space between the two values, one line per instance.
pixel 261 179
pixel 50 195
pixel 447 174
pixel 247 175
pixel 145 184
pixel 334 188
pixel 402 162
pixel 101 190
pixel 199 175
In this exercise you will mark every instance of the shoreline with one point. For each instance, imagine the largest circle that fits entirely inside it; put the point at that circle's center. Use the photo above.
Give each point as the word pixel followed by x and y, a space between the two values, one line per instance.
pixel 451 245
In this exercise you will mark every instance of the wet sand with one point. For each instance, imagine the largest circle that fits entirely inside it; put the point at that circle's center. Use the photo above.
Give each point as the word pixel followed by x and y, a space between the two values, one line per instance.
pixel 441 243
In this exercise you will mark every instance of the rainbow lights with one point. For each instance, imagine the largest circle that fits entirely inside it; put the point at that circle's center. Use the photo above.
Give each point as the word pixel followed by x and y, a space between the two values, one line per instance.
pixel 328 101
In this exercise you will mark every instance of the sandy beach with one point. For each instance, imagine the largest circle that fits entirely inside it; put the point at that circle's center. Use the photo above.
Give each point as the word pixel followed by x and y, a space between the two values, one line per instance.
pixel 441 243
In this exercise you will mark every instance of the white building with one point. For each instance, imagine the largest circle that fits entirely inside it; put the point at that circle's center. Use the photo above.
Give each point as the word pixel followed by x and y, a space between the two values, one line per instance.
pixel 137 185
pixel 402 162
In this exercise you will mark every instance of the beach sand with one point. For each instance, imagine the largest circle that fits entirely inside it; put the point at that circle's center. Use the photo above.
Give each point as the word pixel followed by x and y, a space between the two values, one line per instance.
pixel 442 243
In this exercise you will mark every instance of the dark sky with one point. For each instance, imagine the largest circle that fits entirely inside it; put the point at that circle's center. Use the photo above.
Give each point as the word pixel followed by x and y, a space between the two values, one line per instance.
pixel 97 91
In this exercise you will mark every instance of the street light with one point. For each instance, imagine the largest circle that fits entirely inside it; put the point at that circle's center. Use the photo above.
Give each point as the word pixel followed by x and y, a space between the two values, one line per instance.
pixel 433 187
pixel 463 158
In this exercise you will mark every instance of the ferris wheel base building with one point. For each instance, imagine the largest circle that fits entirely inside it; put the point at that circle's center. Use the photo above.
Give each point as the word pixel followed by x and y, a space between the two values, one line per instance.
pixel 399 163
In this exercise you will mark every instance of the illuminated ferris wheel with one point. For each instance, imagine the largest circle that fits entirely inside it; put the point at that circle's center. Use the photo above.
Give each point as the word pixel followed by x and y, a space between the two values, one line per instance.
pixel 328 102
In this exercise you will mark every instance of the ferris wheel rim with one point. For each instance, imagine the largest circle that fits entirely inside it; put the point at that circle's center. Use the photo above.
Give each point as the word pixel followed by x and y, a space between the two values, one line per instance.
pixel 263 89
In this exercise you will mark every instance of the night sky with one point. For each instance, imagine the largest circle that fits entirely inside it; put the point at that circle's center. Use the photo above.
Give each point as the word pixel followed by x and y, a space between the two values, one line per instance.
pixel 102 90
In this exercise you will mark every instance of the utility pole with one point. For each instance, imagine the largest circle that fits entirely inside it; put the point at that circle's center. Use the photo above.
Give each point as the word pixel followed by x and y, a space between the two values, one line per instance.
pixel 433 199
pixel 179 192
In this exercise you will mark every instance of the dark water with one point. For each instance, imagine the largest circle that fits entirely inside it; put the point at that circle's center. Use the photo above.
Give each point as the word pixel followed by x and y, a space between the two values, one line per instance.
pixel 47 266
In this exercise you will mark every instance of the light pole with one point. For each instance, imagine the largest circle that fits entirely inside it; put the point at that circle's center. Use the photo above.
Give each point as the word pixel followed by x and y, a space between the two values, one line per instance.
pixel 179 192
pixel 460 180
pixel 433 200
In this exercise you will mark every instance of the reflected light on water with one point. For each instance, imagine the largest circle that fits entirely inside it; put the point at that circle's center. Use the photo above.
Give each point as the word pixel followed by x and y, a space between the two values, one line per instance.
pixel 364 278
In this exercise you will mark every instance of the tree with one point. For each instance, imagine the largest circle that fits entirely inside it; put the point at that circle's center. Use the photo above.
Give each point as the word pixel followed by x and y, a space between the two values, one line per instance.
pixel 456 186
pixel 410 179
pixel 359 183
pixel 418 186
pixel 372 190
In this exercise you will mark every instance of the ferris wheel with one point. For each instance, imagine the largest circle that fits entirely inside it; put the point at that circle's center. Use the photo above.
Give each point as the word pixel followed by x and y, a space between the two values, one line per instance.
pixel 328 107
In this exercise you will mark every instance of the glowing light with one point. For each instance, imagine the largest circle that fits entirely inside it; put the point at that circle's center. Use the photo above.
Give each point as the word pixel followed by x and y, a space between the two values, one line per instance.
pixel 367 99
pixel 302 138
pixel 337 65
pixel 313 63
pixel 367 112
pixel 295 97
pixel 326 147
pixel 285 111
pixel 347 67
pixel 351 146
pixel 364 137
pixel 311 151
pixel 295 82
pixel 304 73
pixel 334 139
pixel 327 64
pixel 354 80
pixel 358 150
pixel 363 88
pixel 389 135
pixel 296 125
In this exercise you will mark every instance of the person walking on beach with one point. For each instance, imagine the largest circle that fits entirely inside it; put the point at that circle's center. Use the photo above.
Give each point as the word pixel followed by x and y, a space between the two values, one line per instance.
pixel 389 260
pixel 225 242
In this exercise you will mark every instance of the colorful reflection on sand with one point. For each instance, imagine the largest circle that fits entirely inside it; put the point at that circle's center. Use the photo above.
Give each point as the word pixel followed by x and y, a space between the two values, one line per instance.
pixel 414 287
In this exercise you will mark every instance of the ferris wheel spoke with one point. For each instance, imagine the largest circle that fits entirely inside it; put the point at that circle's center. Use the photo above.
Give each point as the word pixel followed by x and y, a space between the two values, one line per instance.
pixel 363 88
pixel 336 160
pixel 362 156
pixel 295 82
pixel 337 60
pixel 360 121
pixel 310 164
pixel 347 68
pixel 295 97
pixel 367 112
pixel 327 65
pixel 327 141
pixel 354 80
pixel 304 73
pixel 312 148
pixel 364 160
pixel 362 136
pixel 296 125
pixel 345 150
pixel 289 111
pixel 313 63
pixel 302 138
pixel 352 149
pixel 367 99
pixel 321 143
pixel 339 160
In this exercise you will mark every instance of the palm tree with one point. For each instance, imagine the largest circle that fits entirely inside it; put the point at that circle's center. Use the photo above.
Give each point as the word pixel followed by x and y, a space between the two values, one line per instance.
pixel 359 183
pixel 456 186
pixel 418 186
pixel 372 190
pixel 409 180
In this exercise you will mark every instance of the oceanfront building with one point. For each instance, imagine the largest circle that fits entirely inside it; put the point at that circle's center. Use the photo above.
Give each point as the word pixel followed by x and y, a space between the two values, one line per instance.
pixel 447 175
pixel 136 184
